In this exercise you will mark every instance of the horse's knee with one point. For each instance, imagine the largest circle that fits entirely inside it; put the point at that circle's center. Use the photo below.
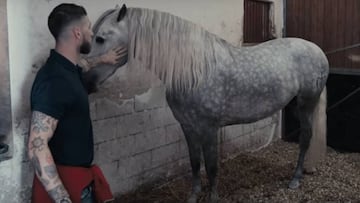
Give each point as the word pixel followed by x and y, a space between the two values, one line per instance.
pixel 211 166
pixel 304 140
pixel 195 158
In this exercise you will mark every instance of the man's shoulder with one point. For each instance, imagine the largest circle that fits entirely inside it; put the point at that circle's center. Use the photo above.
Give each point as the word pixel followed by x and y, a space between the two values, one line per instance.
pixel 50 72
pixel 50 80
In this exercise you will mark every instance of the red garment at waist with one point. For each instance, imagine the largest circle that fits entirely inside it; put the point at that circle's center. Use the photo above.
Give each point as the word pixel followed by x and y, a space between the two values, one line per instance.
pixel 75 179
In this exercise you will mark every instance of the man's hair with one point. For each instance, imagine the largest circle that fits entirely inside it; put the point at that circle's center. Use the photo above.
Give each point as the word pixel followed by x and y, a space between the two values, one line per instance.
pixel 62 16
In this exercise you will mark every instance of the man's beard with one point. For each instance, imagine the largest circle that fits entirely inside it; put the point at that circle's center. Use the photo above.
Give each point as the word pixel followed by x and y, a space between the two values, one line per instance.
pixel 85 47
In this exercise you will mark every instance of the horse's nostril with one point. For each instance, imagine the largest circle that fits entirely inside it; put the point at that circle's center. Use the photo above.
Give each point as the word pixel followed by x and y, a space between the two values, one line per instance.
pixel 99 40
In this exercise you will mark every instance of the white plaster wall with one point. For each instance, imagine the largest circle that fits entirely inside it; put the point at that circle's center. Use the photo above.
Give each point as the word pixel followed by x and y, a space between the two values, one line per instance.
pixel 29 44
pixel 279 17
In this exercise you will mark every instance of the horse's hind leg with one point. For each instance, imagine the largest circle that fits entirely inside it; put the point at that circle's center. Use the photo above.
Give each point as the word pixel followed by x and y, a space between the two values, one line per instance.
pixel 210 150
pixel 306 108
pixel 194 145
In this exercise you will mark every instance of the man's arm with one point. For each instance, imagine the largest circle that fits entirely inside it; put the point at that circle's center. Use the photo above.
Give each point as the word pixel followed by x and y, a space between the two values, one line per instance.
pixel 112 57
pixel 42 128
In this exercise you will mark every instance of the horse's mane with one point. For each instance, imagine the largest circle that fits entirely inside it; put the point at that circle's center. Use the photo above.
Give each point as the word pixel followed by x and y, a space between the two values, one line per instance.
pixel 178 51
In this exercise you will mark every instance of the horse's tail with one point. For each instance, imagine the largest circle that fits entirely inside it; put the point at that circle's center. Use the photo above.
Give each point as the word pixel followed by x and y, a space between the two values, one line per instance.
pixel 317 148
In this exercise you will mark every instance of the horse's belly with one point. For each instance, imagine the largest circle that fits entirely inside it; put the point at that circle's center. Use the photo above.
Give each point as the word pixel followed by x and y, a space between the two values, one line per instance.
pixel 251 108
pixel 248 113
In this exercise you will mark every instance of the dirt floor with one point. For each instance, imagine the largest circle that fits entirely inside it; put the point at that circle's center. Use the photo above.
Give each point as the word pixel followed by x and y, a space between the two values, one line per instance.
pixel 263 176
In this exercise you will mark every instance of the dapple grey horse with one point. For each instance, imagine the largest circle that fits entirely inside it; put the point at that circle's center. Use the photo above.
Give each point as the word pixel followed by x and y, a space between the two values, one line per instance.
pixel 211 84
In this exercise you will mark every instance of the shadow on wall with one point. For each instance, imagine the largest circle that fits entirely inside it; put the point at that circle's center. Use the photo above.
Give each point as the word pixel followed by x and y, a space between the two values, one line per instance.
pixel 5 100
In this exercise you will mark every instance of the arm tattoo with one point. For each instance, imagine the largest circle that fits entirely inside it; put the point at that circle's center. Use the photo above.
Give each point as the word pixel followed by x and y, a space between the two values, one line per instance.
pixel 38 144
pixel 41 122
pixel 44 181
pixel 58 193
pixel 36 163
pixel 51 171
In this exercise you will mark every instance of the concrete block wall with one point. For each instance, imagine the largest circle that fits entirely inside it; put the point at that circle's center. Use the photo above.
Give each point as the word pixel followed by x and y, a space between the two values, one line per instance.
pixel 137 139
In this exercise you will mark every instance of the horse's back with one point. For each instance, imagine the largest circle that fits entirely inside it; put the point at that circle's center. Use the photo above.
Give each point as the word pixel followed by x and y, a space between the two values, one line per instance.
pixel 251 83
pixel 264 78
pixel 310 64
pixel 302 59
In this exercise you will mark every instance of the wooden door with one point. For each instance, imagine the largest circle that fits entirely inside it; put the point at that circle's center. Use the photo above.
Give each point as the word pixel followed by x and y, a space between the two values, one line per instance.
pixel 257 27
pixel 334 25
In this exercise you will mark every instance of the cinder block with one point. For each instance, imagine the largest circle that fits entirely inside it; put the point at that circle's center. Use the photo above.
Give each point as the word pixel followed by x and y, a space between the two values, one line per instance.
pixel 183 149
pixel 149 140
pixel 105 108
pixel 92 107
pixel 120 185
pixel 173 133
pixel 262 137
pixel 168 170
pixel 113 150
pixel 111 171
pixel 122 130
pixel 233 131
pixel 137 164
pixel 234 146
pixel 248 128
pixel 102 154
pixel 160 117
pixel 164 154
pixel 104 130
pixel 134 123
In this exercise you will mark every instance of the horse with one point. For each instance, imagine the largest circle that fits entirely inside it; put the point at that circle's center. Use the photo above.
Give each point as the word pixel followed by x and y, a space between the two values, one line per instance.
pixel 210 83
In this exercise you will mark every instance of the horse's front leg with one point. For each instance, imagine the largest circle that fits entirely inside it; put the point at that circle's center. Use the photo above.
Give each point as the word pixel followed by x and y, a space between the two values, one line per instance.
pixel 210 151
pixel 194 145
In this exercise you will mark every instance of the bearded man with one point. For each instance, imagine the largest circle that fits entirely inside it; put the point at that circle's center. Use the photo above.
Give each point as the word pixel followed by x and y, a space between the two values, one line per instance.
pixel 60 144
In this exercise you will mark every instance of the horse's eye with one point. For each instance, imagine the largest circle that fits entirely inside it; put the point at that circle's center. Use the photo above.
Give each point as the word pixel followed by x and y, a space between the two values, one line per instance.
pixel 99 40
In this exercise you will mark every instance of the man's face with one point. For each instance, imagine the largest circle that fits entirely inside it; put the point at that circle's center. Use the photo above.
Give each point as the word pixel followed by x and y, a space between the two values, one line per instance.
pixel 87 34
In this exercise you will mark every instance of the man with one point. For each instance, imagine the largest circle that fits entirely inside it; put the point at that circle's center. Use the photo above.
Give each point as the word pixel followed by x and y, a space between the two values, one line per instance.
pixel 61 139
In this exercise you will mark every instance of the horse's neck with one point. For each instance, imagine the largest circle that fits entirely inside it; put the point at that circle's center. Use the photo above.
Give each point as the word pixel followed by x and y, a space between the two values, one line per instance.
pixel 224 51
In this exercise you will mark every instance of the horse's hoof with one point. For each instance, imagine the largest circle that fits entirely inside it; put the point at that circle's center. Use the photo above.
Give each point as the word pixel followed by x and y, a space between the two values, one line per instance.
pixel 294 184
pixel 192 198
pixel 310 170
pixel 196 189
pixel 214 198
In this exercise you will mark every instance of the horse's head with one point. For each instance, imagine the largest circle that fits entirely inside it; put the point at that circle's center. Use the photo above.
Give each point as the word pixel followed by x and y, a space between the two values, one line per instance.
pixel 110 31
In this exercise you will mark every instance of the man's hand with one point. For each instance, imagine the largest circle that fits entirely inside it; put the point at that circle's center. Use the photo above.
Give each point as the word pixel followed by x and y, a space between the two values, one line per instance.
pixel 41 130
pixel 111 57
pixel 114 55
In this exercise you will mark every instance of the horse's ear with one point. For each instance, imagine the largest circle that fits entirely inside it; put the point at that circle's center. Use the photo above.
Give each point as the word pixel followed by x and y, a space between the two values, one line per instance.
pixel 122 13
